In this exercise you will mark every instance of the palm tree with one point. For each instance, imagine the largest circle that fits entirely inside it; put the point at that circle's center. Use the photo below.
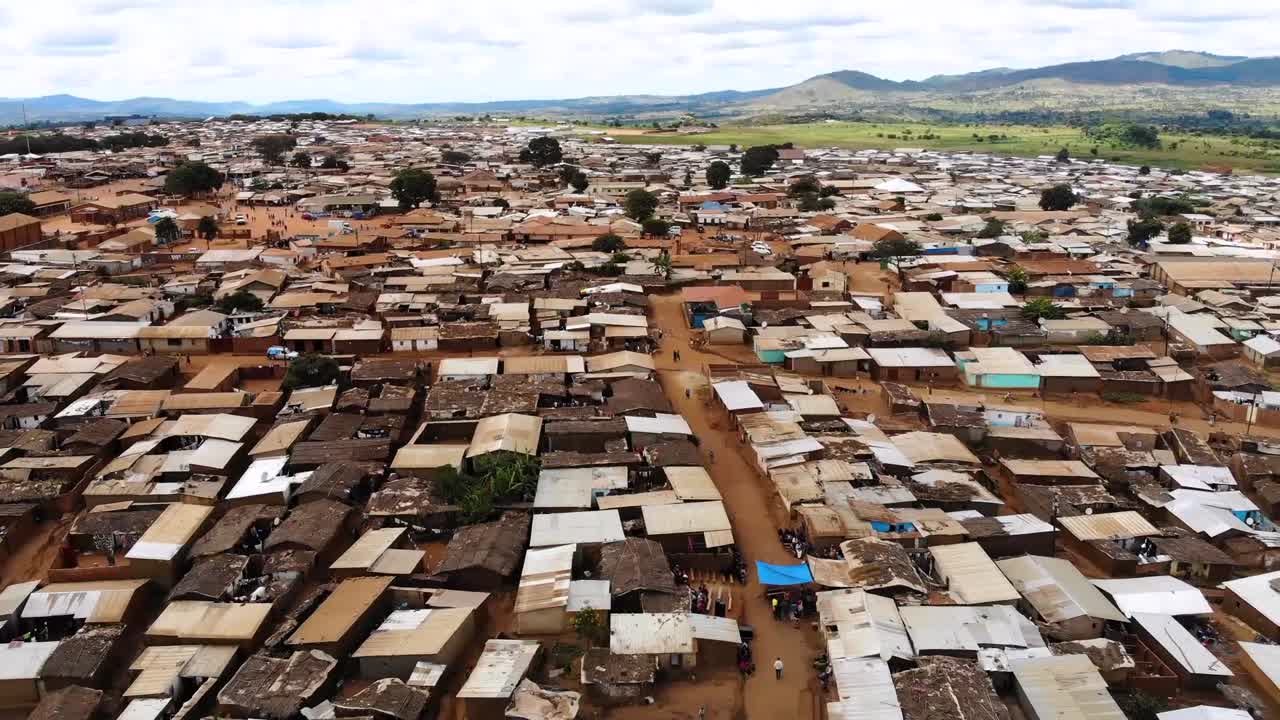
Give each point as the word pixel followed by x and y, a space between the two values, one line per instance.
pixel 662 264
pixel 167 231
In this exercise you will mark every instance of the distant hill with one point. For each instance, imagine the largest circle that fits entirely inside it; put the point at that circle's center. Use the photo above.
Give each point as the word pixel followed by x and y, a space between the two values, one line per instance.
pixel 1186 78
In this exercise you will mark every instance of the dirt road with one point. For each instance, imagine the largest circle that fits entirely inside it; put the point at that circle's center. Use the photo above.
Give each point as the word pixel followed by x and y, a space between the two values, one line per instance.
pixel 755 514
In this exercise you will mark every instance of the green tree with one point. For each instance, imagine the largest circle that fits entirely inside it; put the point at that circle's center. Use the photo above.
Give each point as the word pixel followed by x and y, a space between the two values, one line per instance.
pixel 1042 308
pixel 588 624
pixel 1144 170
pixel 311 370
pixel 719 174
pixel 579 182
pixel 1180 234
pixel 895 249
pixel 662 264
pixel 413 186
pixel 654 227
pixel 331 162
pixel 301 159
pixel 167 231
pixel 804 186
pixel 652 158
pixel 192 178
pixel 933 217
pixel 609 243
pixel 756 161
pixel 1063 156
pixel 455 157
pixel 640 204
pixel 273 147
pixel 240 301
pixel 541 152
pixel 1017 278
pixel 993 229
pixel 1138 705
pixel 1058 197
pixel 12 202
pixel 207 228
pixel 1141 231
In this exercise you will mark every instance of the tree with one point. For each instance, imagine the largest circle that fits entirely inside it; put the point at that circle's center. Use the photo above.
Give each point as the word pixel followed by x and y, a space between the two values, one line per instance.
pixel 652 158
pixel 895 249
pixel 718 175
pixel 331 162
pixel 192 178
pixel 1058 197
pixel 662 264
pixel 756 161
pixel 240 301
pixel 640 204
pixel 301 159
pixel 1141 231
pixel 804 186
pixel 588 624
pixel 1144 170
pixel 413 186
pixel 207 228
pixel 541 152
pixel 993 229
pixel 579 182
pixel 273 147
pixel 1042 308
pixel 167 231
pixel 455 157
pixel 1063 156
pixel 1017 278
pixel 1138 705
pixel 12 202
pixel 1180 234
pixel 655 227
pixel 311 370
pixel 609 243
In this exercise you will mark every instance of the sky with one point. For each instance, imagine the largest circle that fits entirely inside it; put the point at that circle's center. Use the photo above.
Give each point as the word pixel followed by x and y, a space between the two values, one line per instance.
pixel 445 50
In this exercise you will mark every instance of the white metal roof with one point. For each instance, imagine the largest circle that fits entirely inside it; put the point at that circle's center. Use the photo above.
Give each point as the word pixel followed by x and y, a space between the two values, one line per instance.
pixel 738 395
pixel 501 667
pixel 972 578
pixel 953 628
pixel 1155 593
pixel 1068 687
pixel 1260 593
pixel 1057 589
pixel 866 625
pixel 577 487
pixel 650 634
pixel 1181 645
pixel 592 526
pixel 660 424
pixel 865 690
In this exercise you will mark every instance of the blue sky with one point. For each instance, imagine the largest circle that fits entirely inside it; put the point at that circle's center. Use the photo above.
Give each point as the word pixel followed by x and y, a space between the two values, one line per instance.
pixel 391 50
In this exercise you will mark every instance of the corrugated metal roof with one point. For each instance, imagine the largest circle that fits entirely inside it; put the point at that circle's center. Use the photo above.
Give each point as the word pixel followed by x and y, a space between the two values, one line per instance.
pixel 545 579
pixel 1259 592
pixel 973 579
pixel 865 689
pixel 1056 589
pixel 511 432
pixel 344 607
pixel 592 526
pixel 366 550
pixel 576 487
pixel 415 632
pixel 650 634
pixel 1181 645
pixel 1067 687
pixel 1108 526
pixel 866 625
pixel 1156 593
pixel 501 667
pixel 696 517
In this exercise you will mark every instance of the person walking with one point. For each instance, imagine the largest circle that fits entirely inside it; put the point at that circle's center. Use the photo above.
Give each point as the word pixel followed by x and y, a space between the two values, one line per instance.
pixel 777 669
pixel 702 712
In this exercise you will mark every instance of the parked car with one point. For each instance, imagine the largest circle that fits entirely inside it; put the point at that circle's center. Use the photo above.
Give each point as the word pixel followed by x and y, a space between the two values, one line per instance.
pixel 279 352
pixel 242 219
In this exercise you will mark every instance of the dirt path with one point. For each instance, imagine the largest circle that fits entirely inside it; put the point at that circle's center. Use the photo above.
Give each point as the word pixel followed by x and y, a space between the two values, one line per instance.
pixel 754 513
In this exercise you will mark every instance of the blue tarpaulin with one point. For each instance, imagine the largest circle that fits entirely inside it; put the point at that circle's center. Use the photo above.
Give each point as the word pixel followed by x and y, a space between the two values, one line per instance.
pixel 771 574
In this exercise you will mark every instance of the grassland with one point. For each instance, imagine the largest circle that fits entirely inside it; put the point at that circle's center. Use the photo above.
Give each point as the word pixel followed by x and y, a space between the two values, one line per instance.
pixel 1177 151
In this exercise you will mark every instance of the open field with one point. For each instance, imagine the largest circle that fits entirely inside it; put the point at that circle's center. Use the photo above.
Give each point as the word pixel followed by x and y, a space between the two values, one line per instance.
pixel 1180 151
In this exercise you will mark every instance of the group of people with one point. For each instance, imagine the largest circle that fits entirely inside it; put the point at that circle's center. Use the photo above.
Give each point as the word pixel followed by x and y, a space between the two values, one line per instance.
pixel 793 605
pixel 700 602
pixel 794 541
pixel 746 665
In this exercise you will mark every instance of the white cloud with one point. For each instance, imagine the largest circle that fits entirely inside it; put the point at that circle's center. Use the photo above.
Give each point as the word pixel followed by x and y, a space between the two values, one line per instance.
pixel 389 50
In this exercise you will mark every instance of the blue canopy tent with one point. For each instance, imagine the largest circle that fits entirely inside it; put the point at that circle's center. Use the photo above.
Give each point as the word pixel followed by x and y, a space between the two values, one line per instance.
pixel 771 574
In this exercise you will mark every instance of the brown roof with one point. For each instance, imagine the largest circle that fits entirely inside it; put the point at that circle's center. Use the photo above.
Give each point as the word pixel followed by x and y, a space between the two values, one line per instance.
pixel 13 221
pixel 83 655
pixel 210 578
pixel 277 688
pixel 70 703
pixel 494 546
pixel 636 564
pixel 312 526
pixel 333 480
pixel 945 687
pixel 227 533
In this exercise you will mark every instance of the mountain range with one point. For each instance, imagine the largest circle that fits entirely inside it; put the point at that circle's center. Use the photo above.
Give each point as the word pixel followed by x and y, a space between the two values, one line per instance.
pixel 1174 73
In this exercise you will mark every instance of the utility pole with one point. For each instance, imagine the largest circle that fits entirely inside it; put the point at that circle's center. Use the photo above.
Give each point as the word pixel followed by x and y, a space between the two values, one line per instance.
pixel 27 129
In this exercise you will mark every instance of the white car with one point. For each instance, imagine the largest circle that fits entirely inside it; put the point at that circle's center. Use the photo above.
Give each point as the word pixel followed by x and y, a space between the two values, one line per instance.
pixel 242 219
pixel 762 250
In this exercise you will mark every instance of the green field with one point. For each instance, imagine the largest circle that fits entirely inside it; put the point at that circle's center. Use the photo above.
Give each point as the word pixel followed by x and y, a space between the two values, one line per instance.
pixel 1179 151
